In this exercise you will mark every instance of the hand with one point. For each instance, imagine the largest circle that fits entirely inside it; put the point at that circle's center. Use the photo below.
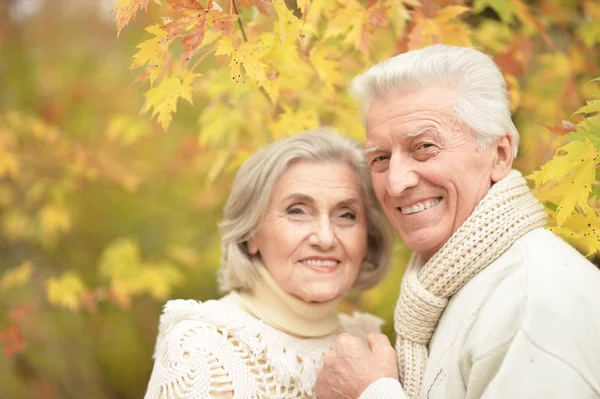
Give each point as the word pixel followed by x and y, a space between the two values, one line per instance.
pixel 350 367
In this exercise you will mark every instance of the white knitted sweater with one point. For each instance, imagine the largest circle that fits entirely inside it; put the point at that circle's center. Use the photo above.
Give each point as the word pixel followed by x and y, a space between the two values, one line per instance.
pixel 217 349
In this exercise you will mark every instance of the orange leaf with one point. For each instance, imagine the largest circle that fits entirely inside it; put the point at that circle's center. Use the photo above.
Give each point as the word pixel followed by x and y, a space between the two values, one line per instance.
pixel 515 58
pixel 261 5
pixel 126 10
pixel 185 5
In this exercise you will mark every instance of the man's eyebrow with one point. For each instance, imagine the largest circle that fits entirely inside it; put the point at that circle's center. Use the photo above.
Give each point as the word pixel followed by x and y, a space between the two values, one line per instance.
pixel 369 150
pixel 419 132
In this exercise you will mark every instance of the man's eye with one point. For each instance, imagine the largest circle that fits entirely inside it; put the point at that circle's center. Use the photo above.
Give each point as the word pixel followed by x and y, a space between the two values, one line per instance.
pixel 426 146
pixel 380 158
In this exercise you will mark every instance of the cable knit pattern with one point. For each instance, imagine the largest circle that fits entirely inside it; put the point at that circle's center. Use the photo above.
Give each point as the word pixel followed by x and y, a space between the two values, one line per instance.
pixel 506 213
pixel 216 349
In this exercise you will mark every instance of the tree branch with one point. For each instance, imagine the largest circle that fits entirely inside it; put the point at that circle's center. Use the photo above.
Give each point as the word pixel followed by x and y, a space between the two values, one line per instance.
pixel 239 20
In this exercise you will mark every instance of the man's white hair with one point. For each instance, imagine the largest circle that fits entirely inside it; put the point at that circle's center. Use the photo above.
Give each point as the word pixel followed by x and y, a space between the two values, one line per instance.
pixel 477 87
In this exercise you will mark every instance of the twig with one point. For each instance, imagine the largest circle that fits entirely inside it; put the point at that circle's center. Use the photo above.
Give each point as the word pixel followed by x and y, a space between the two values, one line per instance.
pixel 239 20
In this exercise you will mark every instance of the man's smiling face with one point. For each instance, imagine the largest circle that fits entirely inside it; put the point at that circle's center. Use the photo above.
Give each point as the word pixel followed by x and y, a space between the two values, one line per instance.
pixel 428 171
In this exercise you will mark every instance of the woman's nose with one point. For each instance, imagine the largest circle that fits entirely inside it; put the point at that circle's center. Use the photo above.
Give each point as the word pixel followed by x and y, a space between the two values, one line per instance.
pixel 322 235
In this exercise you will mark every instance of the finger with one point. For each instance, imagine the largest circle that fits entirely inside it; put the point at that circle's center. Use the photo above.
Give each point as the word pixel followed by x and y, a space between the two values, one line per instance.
pixel 345 342
pixel 380 344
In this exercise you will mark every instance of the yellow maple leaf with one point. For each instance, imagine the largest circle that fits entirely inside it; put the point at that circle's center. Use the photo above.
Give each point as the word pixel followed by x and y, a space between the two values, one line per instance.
pixel 151 52
pixel 292 121
pixel 248 55
pixel 125 11
pixel 162 99
pixel 17 276
pixel 574 172
pixel 303 5
pixel 324 61
pixel 67 291
pixel 127 129
pixel 158 280
pixel 583 228
pixel 9 163
pixel 288 22
pixel 54 218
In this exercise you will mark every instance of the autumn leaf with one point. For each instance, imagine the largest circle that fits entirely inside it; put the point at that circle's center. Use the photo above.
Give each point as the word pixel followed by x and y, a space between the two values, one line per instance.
pixel 291 122
pixel 9 161
pixel 445 27
pixel 589 29
pixel 261 5
pixel 66 291
pixel 54 218
pixel 198 19
pixel 12 340
pixel 162 99
pixel 159 280
pixel 573 171
pixel 247 55
pixel 327 68
pixel 127 129
pixel 125 11
pixel 151 53
pixel 583 228
pixel 17 276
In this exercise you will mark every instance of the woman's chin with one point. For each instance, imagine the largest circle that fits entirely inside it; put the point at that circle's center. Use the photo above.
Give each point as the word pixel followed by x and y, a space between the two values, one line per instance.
pixel 320 296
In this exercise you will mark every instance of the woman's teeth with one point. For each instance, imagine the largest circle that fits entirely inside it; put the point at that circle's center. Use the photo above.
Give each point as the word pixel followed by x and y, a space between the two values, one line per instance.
pixel 421 206
pixel 321 263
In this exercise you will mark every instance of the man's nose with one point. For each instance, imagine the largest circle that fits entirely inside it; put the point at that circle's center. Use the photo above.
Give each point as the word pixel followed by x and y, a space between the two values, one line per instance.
pixel 323 235
pixel 401 175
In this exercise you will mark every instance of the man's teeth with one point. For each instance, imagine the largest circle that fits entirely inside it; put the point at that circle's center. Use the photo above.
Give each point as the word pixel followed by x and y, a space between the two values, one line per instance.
pixel 324 263
pixel 420 206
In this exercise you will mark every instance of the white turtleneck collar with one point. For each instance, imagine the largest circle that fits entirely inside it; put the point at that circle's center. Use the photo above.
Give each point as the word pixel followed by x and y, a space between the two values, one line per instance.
pixel 268 302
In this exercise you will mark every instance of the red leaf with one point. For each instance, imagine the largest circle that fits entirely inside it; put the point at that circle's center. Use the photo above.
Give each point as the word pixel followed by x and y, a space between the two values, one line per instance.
pixel 515 59
pixel 13 341
pixel 224 24
pixel 194 38
pixel 20 312
pixel 176 27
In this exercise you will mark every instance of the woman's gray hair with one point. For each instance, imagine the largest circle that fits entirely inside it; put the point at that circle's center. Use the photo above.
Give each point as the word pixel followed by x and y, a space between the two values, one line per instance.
pixel 476 84
pixel 251 193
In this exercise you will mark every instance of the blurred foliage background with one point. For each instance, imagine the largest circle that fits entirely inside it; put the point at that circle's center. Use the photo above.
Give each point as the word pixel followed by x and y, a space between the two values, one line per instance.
pixel 105 212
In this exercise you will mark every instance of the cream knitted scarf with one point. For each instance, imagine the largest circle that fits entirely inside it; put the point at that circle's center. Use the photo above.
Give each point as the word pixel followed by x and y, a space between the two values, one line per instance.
pixel 506 213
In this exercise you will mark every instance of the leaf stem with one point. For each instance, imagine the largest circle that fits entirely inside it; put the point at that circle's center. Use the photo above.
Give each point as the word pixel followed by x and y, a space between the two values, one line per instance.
pixel 239 20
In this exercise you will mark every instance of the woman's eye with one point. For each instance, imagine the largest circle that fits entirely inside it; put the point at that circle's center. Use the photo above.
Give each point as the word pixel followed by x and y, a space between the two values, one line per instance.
pixel 295 211
pixel 348 215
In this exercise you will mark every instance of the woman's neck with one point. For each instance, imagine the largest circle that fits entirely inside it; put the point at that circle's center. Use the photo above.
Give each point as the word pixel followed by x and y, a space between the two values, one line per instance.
pixel 287 313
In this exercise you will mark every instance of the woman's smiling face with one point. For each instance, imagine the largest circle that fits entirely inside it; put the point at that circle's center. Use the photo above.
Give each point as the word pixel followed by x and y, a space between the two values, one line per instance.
pixel 313 236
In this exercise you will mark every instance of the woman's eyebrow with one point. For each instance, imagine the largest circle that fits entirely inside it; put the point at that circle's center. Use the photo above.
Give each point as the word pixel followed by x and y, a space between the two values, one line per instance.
pixel 349 201
pixel 299 197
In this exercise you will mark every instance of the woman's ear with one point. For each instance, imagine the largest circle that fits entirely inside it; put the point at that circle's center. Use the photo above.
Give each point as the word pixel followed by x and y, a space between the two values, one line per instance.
pixel 504 155
pixel 252 246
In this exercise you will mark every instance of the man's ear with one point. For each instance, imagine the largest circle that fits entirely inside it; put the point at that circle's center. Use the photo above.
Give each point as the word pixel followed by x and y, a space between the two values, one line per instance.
pixel 252 246
pixel 504 155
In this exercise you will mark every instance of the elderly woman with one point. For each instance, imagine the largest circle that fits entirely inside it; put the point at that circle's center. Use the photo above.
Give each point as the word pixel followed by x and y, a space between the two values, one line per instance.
pixel 301 228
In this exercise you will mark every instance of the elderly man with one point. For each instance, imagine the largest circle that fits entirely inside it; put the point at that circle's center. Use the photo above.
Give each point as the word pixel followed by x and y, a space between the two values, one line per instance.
pixel 492 305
